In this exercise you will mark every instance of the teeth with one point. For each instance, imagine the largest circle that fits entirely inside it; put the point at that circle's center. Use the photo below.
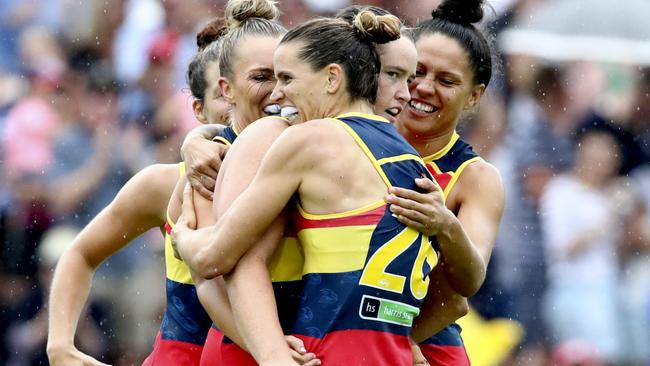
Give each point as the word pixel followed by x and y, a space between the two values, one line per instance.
pixel 422 107
pixel 393 111
pixel 273 109
pixel 289 112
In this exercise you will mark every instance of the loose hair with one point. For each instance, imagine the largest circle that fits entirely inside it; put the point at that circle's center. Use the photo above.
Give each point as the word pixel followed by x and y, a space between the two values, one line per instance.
pixel 455 19
pixel 351 45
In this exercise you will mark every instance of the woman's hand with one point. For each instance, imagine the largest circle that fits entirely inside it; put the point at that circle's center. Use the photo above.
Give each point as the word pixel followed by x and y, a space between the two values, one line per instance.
pixel 202 162
pixel 424 212
pixel 299 353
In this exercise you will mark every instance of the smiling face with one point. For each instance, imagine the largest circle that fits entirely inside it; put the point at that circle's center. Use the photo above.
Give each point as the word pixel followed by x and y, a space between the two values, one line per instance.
pixel 298 85
pixel 398 62
pixel 250 87
pixel 442 89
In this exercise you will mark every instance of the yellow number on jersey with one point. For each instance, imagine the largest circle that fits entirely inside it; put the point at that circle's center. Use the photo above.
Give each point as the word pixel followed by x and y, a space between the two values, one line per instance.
pixel 420 283
pixel 375 275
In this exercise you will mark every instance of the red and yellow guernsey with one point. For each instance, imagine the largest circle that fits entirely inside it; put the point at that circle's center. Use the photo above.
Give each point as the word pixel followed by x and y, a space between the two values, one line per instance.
pixel 446 347
pixel 185 323
pixel 365 274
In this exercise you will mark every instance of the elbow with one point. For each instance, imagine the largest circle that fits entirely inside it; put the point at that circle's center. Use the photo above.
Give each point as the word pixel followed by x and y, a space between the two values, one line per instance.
pixel 468 283
pixel 461 308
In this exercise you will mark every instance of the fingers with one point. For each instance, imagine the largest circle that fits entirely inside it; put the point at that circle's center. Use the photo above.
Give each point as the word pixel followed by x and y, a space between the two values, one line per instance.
pixel 307 359
pixel 89 361
pixel 296 344
pixel 416 225
pixel 413 215
pixel 187 213
pixel 204 192
pixel 428 185
pixel 299 353
pixel 408 194
pixel 406 203
pixel 202 184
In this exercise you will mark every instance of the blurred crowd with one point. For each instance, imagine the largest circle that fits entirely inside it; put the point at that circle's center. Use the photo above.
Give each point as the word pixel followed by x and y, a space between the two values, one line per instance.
pixel 91 92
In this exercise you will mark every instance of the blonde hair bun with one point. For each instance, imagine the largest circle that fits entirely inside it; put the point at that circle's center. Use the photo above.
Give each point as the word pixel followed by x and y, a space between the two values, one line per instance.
pixel 238 11
pixel 377 28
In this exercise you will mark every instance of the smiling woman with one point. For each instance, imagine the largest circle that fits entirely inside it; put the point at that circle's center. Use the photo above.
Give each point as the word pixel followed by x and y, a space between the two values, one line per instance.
pixel 464 208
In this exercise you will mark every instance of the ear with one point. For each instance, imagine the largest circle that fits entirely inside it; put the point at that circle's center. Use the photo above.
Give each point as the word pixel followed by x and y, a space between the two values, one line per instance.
pixel 197 107
pixel 335 78
pixel 475 97
pixel 226 90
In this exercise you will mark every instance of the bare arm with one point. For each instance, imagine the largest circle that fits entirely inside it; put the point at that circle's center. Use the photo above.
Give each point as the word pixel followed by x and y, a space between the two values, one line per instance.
pixel 139 206
pixel 466 240
pixel 441 307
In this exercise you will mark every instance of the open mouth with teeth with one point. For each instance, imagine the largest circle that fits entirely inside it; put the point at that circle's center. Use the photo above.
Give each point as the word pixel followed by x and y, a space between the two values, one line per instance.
pixel 272 109
pixel 289 112
pixel 422 107
pixel 395 111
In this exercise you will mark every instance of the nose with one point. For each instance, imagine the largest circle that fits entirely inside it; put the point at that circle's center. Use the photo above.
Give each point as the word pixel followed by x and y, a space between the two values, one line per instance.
pixel 403 95
pixel 424 87
pixel 277 95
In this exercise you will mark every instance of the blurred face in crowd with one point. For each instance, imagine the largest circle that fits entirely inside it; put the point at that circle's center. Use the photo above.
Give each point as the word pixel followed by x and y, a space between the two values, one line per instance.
pixel 598 157
pixel 250 88
pixel 443 86
pixel 398 62
pixel 213 108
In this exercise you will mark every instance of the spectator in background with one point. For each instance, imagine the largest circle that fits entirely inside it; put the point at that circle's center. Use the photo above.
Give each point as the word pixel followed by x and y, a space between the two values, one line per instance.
pixel 27 335
pixel 582 222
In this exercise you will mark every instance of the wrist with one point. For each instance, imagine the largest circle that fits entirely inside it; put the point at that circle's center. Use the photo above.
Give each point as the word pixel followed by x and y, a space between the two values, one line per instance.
pixel 449 227
pixel 55 348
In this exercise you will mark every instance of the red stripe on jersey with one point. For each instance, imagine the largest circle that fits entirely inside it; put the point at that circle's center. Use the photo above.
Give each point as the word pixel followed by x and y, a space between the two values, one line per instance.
pixel 442 179
pixel 173 353
pixel 211 355
pixel 168 228
pixel 445 355
pixel 232 354
pixel 371 217
pixel 360 347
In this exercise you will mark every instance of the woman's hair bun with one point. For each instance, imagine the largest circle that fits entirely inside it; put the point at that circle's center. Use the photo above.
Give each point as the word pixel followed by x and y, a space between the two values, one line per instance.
pixel 238 11
pixel 464 12
pixel 377 28
pixel 212 31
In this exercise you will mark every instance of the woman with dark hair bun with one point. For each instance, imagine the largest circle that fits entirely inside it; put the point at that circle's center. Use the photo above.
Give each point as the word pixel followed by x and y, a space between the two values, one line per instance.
pixel 464 207
pixel 139 206
pixel 365 274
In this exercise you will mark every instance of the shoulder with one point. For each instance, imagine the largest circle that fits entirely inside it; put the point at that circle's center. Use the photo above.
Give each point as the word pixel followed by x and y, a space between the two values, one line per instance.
pixel 263 130
pixel 314 131
pixel 149 190
pixel 482 171
pixel 158 179
pixel 482 178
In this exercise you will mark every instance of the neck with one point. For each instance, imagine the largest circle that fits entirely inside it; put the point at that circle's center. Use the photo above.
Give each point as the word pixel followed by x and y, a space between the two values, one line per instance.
pixel 239 124
pixel 428 144
pixel 337 109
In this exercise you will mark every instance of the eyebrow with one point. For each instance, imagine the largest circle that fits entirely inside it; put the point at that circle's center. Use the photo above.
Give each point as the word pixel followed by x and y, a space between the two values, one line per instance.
pixel 284 73
pixel 260 69
pixel 397 68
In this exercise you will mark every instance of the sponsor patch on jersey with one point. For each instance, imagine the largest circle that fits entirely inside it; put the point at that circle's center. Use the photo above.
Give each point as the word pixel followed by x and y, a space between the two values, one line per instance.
pixel 388 311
